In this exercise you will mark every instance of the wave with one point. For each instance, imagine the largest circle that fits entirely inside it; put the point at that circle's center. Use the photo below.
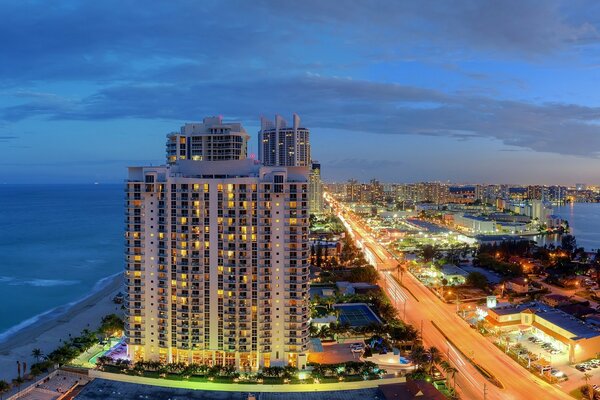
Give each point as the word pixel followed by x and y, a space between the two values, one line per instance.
pixel 54 312
pixel 37 282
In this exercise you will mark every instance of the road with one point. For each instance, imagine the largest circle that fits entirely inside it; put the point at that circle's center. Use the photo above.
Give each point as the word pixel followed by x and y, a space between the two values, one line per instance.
pixel 425 309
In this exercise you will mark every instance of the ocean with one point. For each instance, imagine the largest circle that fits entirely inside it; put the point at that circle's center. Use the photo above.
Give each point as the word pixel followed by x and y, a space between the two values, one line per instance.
pixel 57 244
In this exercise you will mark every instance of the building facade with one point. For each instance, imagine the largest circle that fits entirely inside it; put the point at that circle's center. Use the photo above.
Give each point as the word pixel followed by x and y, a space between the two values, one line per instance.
pixel 282 145
pixel 217 260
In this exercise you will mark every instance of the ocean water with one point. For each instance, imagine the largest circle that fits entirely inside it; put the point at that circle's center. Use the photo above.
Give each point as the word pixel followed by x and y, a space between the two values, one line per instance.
pixel 584 223
pixel 57 243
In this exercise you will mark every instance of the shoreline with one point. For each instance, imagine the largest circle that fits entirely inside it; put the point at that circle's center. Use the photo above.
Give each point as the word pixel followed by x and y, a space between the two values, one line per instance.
pixel 46 331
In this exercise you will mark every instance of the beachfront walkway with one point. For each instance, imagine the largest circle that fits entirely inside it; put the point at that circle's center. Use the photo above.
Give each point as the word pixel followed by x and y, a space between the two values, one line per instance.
pixel 237 387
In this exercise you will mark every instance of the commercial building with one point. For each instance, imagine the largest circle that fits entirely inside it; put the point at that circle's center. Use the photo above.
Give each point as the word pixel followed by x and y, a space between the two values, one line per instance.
pixel 217 256
pixel 475 223
pixel 282 145
pixel 581 341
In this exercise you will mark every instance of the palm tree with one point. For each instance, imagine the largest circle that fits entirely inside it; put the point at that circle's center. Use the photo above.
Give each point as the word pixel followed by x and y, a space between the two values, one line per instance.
pixel 450 372
pixel 418 355
pixel 4 386
pixel 590 391
pixel 435 357
pixel 400 271
pixel 37 354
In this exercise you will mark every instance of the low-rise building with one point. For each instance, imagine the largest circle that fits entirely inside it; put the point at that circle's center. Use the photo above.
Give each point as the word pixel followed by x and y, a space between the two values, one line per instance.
pixel 518 285
pixel 453 274
pixel 581 341
pixel 556 300
pixel 475 223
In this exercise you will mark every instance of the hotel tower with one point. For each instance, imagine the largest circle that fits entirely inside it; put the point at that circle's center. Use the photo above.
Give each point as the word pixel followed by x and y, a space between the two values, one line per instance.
pixel 217 254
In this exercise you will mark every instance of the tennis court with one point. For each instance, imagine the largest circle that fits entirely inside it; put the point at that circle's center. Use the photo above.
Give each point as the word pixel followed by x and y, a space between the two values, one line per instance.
pixel 356 314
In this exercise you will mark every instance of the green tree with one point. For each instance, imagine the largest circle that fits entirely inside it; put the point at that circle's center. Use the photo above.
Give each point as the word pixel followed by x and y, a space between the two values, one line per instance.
pixel 4 387
pixel 419 356
pixel 428 252
pixel 589 392
pixel 37 354
pixel 568 243
pixel 111 325
pixel 319 256
pixel 477 279
pixel 366 273
pixel 434 357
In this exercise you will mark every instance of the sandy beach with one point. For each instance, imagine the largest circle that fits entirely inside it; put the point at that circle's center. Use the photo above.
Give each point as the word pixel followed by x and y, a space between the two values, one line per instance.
pixel 47 333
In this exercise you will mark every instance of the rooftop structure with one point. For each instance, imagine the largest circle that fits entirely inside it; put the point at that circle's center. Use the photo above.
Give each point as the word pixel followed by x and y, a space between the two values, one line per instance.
pixel 210 140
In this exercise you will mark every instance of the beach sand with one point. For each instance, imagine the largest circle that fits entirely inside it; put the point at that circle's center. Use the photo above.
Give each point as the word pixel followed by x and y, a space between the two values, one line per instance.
pixel 47 333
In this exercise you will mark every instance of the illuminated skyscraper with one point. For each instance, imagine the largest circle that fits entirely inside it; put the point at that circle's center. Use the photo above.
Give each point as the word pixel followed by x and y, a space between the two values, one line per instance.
pixel 280 145
pixel 315 189
pixel 217 254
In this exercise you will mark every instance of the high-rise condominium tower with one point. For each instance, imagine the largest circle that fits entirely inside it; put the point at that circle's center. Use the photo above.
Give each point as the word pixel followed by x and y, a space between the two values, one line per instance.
pixel 217 254
pixel 280 145
pixel 315 189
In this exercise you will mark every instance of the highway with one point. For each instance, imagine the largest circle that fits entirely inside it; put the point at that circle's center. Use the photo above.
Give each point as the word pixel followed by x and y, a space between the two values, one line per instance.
pixel 425 309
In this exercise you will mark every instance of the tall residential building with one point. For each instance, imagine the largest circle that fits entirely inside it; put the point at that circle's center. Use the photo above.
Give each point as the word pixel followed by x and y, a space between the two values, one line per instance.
pixel 353 191
pixel 217 257
pixel 280 145
pixel 315 189
pixel 211 140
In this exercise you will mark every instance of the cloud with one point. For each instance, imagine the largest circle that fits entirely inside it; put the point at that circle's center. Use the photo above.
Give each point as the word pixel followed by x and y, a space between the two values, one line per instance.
pixel 134 40
pixel 184 59
pixel 346 104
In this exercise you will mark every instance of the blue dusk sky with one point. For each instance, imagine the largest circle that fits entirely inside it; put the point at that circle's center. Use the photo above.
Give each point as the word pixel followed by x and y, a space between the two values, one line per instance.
pixel 404 91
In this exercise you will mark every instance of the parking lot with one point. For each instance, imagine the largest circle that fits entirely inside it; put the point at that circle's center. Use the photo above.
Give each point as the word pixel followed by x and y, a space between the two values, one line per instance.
pixel 542 347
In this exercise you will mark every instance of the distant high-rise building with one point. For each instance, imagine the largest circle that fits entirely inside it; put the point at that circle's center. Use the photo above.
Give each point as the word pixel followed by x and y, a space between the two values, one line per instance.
pixel 217 254
pixel 352 191
pixel 280 145
pixel 211 140
pixel 536 192
pixel 315 189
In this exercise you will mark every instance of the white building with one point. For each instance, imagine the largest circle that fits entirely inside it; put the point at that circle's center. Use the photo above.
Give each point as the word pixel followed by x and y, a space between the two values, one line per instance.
pixel 217 259
pixel 475 223
pixel 540 210
pixel 280 145
pixel 211 140
pixel 315 189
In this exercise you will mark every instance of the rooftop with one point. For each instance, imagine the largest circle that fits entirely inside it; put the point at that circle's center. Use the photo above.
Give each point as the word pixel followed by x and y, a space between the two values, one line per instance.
pixel 576 327
pixel 451 269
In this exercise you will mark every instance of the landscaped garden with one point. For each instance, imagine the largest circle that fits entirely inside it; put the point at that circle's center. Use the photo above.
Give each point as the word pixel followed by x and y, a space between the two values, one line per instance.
pixel 315 373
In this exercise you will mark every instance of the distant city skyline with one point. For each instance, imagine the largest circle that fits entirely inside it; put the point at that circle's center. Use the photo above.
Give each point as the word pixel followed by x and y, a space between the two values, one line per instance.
pixel 469 92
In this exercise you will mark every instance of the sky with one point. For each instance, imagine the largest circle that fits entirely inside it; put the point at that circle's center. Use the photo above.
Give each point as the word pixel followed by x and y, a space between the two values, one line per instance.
pixel 402 91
